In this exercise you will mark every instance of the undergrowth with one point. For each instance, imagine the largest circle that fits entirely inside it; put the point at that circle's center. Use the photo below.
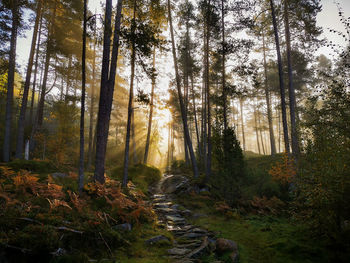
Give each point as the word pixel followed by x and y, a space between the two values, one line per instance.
pixel 44 219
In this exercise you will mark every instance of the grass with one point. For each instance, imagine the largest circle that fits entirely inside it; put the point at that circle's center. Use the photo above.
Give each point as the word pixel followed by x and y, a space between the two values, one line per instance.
pixel 261 238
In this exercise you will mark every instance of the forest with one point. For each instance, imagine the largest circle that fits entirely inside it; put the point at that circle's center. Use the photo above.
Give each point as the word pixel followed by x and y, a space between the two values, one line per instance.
pixel 190 131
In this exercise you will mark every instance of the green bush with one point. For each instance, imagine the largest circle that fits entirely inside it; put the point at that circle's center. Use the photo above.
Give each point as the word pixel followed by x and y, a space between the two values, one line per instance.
pixel 36 166
pixel 141 175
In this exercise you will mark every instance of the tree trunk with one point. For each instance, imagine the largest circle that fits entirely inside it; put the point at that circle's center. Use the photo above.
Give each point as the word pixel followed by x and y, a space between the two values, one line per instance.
pixel 195 115
pixel 208 168
pixel 107 88
pixel 22 114
pixel 35 72
pixel 92 105
pixel 292 102
pixel 242 122
pixel 182 106
pixel 134 153
pixel 280 74
pixel 268 103
pixel 10 82
pixel 256 129
pixel 261 136
pixel 224 93
pixel 149 129
pixel 40 114
pixel 130 104
pixel 82 108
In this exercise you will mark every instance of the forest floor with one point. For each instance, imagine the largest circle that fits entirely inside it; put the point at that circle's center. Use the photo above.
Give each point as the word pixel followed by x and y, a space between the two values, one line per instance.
pixel 179 227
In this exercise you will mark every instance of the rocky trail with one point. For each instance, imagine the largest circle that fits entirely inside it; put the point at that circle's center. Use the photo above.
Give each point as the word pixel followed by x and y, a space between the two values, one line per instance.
pixel 190 242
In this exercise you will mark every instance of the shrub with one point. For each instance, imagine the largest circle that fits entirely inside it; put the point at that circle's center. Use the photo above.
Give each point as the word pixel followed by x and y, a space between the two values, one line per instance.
pixel 141 175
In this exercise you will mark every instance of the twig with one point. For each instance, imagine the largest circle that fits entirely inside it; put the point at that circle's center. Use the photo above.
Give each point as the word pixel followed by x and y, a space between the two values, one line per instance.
pixel 30 220
pixel 69 229
pixel 110 251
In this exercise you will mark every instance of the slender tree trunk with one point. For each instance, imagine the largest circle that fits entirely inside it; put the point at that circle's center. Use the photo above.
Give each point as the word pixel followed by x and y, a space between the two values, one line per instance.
pixel 149 129
pixel 35 72
pixel 208 168
pixel 22 114
pixel 280 73
pixel 292 101
pixel 40 114
pixel 92 105
pixel 261 136
pixel 268 103
pixel 107 87
pixel 68 78
pixel 279 130
pixel 242 123
pixel 256 129
pixel 10 82
pixel 130 104
pixel 224 93
pixel 82 109
pixel 195 115
pixel 182 106
pixel 133 134
pixel 204 104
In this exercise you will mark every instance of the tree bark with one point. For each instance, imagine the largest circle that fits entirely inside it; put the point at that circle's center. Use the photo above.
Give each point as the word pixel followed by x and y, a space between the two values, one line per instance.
pixel 130 104
pixel 242 123
pixel 208 167
pixel 280 74
pixel 224 93
pixel 256 129
pixel 40 114
pixel 268 103
pixel 195 115
pixel 10 82
pixel 35 72
pixel 182 106
pixel 92 105
pixel 22 114
pixel 107 88
pixel 149 129
pixel 292 102
pixel 82 107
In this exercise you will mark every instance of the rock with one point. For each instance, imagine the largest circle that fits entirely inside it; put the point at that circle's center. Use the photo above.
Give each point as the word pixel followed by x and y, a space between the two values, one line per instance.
pixel 225 245
pixel 234 256
pixel 193 235
pixel 168 211
pixel 59 175
pixel 198 252
pixel 175 219
pixel 59 252
pixel 156 240
pixel 178 251
pixel 186 212
pixel 174 184
pixel 123 227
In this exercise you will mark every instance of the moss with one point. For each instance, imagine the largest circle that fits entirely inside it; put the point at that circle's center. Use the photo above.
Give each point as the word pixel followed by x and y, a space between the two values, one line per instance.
pixel 260 238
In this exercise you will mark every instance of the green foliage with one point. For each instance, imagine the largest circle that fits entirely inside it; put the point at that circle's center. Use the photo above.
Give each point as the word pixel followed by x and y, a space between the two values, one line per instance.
pixel 323 183
pixel 43 215
pixel 228 166
pixel 141 175
pixel 35 166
